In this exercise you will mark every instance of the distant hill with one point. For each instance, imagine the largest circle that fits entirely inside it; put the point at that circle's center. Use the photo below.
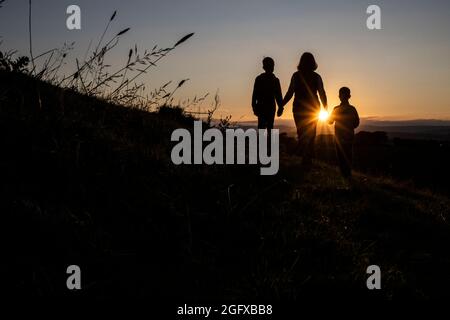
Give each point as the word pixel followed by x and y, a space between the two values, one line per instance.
pixel 408 129
pixel 405 123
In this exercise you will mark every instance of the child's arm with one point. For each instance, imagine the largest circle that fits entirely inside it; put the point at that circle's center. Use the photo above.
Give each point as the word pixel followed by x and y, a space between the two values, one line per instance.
pixel 331 118
pixel 255 97
pixel 356 118
pixel 278 94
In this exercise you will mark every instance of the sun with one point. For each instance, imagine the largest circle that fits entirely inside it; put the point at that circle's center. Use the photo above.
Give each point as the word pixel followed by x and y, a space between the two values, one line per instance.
pixel 323 115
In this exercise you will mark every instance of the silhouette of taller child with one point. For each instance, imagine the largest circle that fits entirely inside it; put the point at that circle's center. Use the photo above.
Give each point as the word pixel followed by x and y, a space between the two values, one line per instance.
pixel 306 84
pixel 266 91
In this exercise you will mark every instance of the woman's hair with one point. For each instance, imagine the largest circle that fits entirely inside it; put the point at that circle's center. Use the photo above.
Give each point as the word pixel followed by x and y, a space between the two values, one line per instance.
pixel 307 63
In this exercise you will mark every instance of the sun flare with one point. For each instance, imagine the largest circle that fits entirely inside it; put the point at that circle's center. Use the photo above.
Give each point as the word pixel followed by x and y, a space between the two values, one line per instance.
pixel 323 115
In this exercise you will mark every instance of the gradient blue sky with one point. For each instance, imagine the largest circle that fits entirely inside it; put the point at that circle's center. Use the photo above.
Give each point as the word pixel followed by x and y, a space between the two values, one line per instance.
pixel 401 71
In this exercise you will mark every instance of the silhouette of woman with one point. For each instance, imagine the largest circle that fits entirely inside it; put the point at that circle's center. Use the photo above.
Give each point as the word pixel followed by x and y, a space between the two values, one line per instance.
pixel 306 84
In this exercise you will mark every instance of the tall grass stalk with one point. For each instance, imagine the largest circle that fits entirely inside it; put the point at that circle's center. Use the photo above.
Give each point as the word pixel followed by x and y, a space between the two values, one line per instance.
pixel 30 37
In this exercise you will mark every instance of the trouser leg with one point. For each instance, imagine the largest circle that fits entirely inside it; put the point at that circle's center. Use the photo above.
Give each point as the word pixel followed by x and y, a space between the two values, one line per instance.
pixel 266 122
pixel 344 154
pixel 300 133
pixel 310 137
pixel 306 132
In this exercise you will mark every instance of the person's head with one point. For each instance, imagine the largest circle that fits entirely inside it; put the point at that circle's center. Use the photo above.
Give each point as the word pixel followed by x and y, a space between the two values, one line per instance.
pixel 344 94
pixel 268 64
pixel 307 63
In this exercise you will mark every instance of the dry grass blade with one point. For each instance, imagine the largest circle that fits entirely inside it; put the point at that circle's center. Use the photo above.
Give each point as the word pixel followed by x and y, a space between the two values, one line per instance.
pixel 123 31
pixel 183 39
pixel 182 82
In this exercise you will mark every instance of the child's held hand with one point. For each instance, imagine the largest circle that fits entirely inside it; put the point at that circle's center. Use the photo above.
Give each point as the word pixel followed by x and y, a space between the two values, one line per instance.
pixel 280 112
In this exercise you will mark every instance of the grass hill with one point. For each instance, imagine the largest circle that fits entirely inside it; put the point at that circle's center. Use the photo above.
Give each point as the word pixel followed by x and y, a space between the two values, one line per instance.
pixel 88 183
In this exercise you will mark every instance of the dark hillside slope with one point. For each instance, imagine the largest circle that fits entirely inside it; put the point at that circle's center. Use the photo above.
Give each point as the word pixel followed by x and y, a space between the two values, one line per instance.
pixel 88 183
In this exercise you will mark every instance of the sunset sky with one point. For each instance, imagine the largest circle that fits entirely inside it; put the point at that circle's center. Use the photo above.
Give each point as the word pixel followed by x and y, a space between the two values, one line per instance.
pixel 399 72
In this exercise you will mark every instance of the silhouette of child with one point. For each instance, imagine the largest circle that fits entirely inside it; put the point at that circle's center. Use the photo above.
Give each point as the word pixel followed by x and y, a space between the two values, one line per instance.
pixel 346 120
pixel 266 91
